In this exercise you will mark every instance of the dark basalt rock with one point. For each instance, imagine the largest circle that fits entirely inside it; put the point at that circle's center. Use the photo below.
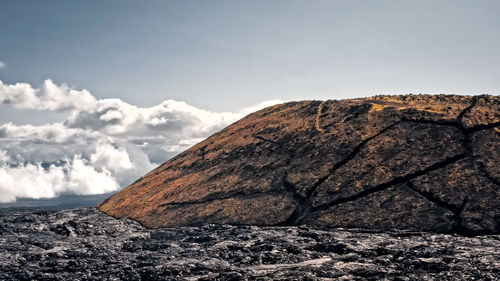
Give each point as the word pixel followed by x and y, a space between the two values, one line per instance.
pixel 99 247
pixel 414 162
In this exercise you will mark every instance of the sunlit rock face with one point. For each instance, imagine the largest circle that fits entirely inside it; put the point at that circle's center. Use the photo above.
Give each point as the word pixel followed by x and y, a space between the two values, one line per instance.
pixel 414 162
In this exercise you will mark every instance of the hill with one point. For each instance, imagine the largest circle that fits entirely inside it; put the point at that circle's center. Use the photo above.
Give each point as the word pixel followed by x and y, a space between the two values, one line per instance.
pixel 416 162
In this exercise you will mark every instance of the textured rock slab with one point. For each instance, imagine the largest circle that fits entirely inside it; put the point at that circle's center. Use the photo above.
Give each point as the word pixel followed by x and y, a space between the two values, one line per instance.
pixel 399 152
pixel 293 163
pixel 232 210
pixel 395 207
pixel 486 151
pixel 84 244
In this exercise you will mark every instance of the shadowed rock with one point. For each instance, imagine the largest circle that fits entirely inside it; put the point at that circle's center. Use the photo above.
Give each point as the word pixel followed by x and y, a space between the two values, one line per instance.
pixel 415 162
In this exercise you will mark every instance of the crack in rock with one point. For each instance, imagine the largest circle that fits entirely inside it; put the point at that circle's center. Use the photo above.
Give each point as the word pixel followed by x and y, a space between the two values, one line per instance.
pixel 348 158
pixel 221 196
pixel 394 181
pixel 460 117
pixel 485 172
pixel 432 198
pixel 456 210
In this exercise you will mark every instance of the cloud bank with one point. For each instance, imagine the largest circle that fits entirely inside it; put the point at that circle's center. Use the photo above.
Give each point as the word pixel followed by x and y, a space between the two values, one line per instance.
pixel 2 64
pixel 103 145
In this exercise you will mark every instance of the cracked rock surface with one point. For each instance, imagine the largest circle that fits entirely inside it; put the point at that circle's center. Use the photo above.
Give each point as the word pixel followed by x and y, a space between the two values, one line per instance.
pixel 414 162
pixel 85 244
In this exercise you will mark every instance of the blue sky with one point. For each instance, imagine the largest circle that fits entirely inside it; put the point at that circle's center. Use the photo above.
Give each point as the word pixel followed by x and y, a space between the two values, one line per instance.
pixel 181 70
pixel 222 55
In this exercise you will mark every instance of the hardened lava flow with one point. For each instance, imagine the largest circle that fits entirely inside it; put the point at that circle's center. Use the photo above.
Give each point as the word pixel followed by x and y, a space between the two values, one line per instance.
pixel 413 162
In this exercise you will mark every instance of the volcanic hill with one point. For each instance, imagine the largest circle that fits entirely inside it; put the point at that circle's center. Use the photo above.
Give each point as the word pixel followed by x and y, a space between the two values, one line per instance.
pixel 415 162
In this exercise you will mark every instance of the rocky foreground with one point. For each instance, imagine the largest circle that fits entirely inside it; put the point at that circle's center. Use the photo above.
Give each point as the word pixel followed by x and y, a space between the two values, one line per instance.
pixel 84 244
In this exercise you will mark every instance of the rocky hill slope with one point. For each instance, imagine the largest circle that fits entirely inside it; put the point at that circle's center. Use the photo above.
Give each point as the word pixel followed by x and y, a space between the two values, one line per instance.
pixel 414 162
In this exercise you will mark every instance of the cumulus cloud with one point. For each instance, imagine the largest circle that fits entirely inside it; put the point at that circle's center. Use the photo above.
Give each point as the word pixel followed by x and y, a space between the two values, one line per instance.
pixel 48 97
pixel 171 118
pixel 103 145
pixel 35 181
pixel 2 65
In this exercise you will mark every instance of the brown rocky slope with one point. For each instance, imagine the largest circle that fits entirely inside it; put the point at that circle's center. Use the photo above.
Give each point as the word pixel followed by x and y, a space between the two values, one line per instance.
pixel 415 162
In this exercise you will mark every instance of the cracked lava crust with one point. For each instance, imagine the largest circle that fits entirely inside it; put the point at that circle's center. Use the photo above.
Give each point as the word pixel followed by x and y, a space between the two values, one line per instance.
pixel 414 162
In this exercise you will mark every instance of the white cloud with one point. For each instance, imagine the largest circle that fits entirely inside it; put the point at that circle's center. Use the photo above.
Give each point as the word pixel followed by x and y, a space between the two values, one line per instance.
pixel 4 158
pixel 35 181
pixel 104 145
pixel 30 181
pixel 48 97
pixel 115 117
pixel 117 159
pixel 2 65
pixel 84 179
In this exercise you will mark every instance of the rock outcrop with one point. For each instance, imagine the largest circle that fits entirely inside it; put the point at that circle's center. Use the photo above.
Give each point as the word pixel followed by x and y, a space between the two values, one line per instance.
pixel 415 162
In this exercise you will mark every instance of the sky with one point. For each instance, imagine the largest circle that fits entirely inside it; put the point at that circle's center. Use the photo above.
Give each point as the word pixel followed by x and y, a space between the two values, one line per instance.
pixel 85 85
